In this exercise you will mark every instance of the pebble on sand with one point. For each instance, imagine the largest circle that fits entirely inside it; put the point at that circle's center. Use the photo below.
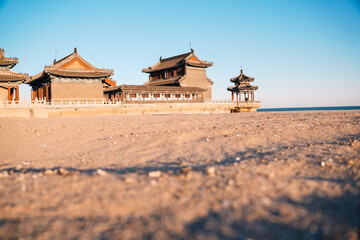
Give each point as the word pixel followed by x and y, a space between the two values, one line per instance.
pixel 48 172
pixel 323 163
pixel 154 174
pixel 210 171
pixel 4 174
pixel 101 172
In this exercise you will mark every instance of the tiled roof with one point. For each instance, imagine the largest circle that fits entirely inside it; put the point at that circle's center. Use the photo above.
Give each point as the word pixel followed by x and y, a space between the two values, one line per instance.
pixel 8 76
pixel 167 81
pixel 55 69
pixel 154 88
pixel 242 88
pixel 111 82
pixel 7 61
pixel 79 73
pixel 242 78
pixel 175 62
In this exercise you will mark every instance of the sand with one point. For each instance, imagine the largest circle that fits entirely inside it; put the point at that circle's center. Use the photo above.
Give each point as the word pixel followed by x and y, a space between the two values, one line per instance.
pixel 289 175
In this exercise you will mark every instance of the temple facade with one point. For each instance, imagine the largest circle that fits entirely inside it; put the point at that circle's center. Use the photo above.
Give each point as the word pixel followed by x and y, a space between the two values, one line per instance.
pixel 146 93
pixel 243 86
pixel 9 81
pixel 179 78
pixel 71 77
pixel 185 70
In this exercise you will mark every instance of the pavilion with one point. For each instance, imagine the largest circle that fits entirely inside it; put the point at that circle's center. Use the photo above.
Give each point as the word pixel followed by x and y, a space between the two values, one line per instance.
pixel 9 81
pixel 243 86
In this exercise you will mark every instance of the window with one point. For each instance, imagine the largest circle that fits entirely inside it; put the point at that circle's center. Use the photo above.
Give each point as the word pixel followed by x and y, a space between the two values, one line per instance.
pixel 145 95
pixel 156 95
pixel 178 95
pixel 187 95
pixel 194 95
pixel 167 95
pixel 133 95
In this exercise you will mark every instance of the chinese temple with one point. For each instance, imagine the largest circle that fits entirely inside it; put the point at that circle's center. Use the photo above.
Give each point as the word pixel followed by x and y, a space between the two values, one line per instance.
pixel 71 77
pixel 243 86
pixel 9 81
pixel 179 78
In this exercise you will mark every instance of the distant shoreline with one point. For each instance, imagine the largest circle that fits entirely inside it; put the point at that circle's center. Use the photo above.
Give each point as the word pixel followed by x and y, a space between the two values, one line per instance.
pixel 308 109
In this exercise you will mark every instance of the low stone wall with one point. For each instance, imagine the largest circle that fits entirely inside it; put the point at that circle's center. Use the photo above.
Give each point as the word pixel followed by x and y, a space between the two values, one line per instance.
pixel 138 109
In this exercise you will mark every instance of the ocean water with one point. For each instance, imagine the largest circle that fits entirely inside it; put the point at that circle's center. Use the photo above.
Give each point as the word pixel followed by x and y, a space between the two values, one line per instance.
pixel 308 109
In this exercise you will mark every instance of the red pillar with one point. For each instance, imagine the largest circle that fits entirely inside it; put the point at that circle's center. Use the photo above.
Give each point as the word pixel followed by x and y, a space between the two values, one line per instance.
pixel 9 94
pixel 17 94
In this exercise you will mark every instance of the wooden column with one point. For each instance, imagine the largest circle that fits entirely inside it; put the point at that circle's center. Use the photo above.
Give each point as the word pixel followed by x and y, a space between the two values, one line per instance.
pixel 47 92
pixel 232 95
pixel 239 96
pixel 17 94
pixel 9 94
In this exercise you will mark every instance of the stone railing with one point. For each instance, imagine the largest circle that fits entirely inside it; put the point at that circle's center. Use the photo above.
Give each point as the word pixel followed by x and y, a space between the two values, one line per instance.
pixel 89 102
pixel 70 102
pixel 228 101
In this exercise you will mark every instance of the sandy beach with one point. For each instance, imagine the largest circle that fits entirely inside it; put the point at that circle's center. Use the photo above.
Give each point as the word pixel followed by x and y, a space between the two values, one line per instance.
pixel 284 175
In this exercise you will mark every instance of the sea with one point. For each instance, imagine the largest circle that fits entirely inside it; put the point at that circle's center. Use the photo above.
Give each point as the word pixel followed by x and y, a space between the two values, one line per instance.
pixel 309 109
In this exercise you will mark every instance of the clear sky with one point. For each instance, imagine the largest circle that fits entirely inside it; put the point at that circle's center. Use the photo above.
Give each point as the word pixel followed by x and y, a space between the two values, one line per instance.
pixel 301 53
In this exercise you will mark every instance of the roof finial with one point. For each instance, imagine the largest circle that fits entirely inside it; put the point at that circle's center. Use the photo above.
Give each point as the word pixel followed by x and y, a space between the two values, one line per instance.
pixel 241 69
pixel 160 58
pixel 75 50
pixel 55 56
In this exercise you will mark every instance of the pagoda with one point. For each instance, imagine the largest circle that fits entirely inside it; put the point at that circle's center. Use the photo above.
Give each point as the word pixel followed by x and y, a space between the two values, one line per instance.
pixel 70 78
pixel 185 70
pixel 9 81
pixel 243 86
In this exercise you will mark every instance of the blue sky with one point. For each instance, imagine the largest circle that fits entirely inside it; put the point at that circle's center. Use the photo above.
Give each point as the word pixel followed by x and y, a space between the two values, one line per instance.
pixel 301 53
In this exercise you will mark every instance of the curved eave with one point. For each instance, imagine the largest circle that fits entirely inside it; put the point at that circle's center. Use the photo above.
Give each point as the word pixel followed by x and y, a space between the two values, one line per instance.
pixel 5 62
pixel 8 76
pixel 80 74
pixel 199 64
pixel 146 70
pixel 239 80
pixel 35 77
pixel 242 88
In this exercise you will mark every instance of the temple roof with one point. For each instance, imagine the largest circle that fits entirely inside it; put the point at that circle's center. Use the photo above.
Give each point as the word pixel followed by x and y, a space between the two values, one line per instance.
pixel 7 61
pixel 167 81
pixel 73 66
pixel 154 88
pixel 178 61
pixel 242 78
pixel 238 88
pixel 8 76
pixel 111 82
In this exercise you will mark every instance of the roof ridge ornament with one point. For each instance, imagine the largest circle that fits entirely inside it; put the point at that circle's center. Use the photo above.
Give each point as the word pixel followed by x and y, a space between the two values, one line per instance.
pixel 75 50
